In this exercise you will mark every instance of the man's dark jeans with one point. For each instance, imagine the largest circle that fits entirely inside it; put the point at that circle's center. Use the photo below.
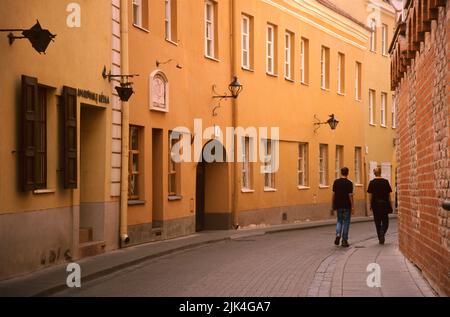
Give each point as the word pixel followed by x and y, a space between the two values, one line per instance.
pixel 381 219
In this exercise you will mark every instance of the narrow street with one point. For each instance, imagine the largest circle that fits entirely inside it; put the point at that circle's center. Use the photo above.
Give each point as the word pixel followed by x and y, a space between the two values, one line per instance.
pixel 271 265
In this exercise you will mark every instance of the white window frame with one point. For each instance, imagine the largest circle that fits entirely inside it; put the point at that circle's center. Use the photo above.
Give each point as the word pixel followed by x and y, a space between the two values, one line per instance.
pixel 373 36
pixel 168 19
pixel 302 61
pixel 394 112
pixel 245 42
pixel 323 165
pixel 341 73
pixel 137 18
pixel 270 45
pixel 358 153
pixel 269 178
pixel 246 164
pixel 386 171
pixel 383 103
pixel 371 107
pixel 302 165
pixel 210 25
pixel 323 68
pixel 338 161
pixel 358 81
pixel 288 56
pixel 384 39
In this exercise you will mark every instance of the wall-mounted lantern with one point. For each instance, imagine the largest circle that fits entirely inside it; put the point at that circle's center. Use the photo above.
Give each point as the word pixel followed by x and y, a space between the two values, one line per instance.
pixel 125 90
pixel 446 205
pixel 332 122
pixel 234 87
pixel 38 37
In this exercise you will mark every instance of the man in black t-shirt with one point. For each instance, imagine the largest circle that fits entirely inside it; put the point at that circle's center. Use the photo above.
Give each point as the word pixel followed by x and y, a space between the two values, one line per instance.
pixel 380 202
pixel 343 203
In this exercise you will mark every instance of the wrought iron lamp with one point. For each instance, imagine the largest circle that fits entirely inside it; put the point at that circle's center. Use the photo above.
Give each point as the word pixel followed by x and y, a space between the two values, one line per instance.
pixel 125 90
pixel 332 122
pixel 38 37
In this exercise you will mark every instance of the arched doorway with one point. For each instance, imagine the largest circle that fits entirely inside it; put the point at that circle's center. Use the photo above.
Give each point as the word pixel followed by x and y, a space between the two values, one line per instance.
pixel 212 189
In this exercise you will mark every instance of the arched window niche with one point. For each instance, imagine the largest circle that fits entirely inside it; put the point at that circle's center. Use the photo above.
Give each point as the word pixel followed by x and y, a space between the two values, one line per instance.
pixel 159 92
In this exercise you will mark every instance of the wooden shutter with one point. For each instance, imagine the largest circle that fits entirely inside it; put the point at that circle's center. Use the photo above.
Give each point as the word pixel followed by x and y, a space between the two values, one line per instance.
pixel 70 137
pixel 27 151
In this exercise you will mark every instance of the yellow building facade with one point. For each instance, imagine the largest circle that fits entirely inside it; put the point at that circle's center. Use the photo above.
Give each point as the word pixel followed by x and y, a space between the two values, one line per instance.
pixel 377 98
pixel 302 63
pixel 56 127
pixel 298 61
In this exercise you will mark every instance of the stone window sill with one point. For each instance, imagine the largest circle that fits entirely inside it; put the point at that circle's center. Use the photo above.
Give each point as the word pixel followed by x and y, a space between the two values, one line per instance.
pixel 135 202
pixel 175 198
pixel 44 191
pixel 141 28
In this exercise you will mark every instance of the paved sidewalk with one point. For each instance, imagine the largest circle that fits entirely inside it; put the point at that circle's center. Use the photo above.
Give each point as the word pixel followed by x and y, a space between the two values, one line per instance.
pixel 346 274
pixel 52 280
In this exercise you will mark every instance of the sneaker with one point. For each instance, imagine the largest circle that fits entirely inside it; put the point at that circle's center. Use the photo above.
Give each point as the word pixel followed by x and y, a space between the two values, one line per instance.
pixel 345 243
pixel 337 240
pixel 382 239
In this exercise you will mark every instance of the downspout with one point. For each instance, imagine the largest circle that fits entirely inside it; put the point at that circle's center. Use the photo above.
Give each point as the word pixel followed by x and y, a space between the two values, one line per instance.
pixel 125 125
pixel 234 113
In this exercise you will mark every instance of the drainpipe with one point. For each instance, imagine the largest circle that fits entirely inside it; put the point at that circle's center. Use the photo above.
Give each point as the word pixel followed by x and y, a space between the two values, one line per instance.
pixel 125 125
pixel 234 112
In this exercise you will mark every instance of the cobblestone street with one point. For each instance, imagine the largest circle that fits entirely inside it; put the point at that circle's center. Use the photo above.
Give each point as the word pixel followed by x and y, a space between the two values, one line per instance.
pixel 292 263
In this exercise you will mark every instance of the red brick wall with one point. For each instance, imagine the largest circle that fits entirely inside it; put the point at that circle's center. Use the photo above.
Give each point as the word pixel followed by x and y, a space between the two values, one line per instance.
pixel 423 156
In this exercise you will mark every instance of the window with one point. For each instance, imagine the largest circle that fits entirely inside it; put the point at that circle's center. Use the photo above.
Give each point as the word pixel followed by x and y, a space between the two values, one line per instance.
pixel 174 167
pixel 341 73
pixel 140 15
pixel 383 109
pixel 159 92
pixel 270 44
pixel 372 107
pixel 246 164
pixel 358 81
pixel 288 55
pixel 339 161
pixel 247 41
pixel 323 165
pixel 325 68
pixel 210 29
pixel 268 164
pixel 137 12
pixel 33 135
pixel 304 61
pixel 303 165
pixel 358 165
pixel 134 165
pixel 384 39
pixel 394 113
pixel 373 35
pixel 171 20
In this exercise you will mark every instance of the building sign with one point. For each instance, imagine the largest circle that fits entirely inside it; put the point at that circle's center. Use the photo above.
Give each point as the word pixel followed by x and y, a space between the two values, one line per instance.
pixel 98 98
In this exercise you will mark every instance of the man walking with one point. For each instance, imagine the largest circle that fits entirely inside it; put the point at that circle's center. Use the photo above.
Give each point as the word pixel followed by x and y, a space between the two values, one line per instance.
pixel 344 204
pixel 380 202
